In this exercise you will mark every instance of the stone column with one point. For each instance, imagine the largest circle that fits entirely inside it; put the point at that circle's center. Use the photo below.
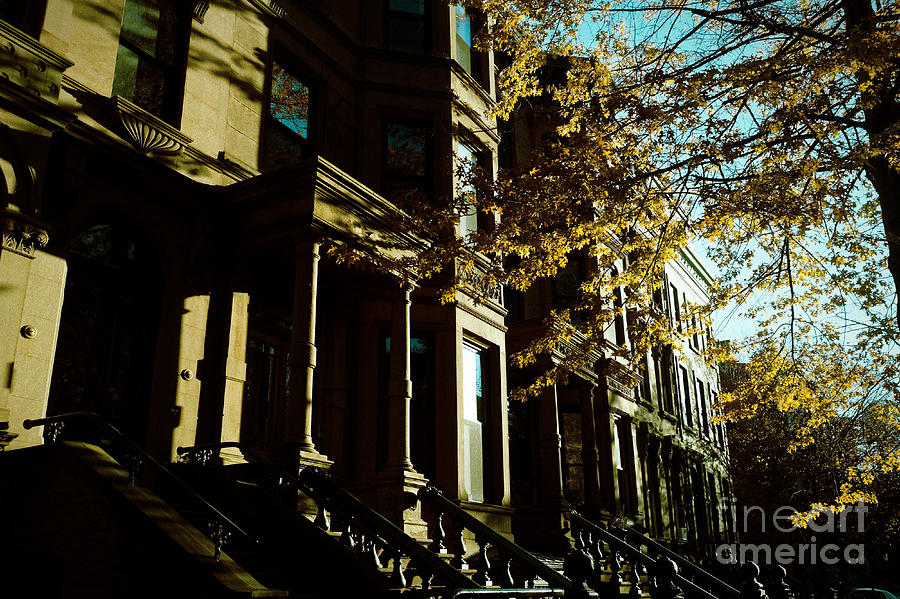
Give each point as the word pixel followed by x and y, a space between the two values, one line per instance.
pixel 302 363
pixel 32 284
pixel 590 456
pixel 235 376
pixel 606 446
pixel 397 484
pixel 639 440
pixel 399 385
pixel 550 483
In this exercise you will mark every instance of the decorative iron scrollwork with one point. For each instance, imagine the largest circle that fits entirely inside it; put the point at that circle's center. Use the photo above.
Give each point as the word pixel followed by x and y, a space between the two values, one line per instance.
pixel 135 465
pixel 218 534
pixel 53 432
pixel 199 457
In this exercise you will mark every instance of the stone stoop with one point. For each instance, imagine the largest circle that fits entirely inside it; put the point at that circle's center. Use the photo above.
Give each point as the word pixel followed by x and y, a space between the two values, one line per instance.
pixel 94 535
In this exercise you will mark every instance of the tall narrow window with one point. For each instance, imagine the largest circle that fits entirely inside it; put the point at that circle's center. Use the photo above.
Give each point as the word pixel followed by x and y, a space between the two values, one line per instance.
pixel 405 26
pixel 676 308
pixel 466 56
pixel 686 390
pixel 620 318
pixel 701 397
pixel 150 60
pixel 287 135
pixel 406 170
pixel 471 220
pixel 476 439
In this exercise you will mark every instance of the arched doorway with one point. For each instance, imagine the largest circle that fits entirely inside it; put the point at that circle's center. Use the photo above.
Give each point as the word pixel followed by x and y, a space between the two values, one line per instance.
pixel 107 333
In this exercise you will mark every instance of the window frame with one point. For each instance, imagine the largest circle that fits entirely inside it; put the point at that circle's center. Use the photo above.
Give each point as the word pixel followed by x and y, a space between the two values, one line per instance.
pixel 307 146
pixel 172 100
pixel 477 68
pixel 390 14
pixel 427 178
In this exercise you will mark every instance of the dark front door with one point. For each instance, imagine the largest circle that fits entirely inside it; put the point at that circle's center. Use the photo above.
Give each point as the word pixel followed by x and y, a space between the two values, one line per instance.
pixel 107 334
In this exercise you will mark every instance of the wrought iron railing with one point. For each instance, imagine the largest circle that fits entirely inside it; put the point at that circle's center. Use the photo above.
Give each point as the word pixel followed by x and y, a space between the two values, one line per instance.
pixel 688 569
pixel 514 567
pixel 220 528
pixel 611 554
pixel 373 537
pixel 543 593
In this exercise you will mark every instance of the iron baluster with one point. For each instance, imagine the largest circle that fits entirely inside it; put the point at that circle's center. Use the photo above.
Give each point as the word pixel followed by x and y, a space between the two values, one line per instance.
pixel 501 573
pixel 779 588
pixel 663 585
pixel 750 585
pixel 483 567
pixel 219 534
pixel 459 556
pixel 135 466
pixel 634 578
pixel 439 534
pixel 321 519
pixel 397 576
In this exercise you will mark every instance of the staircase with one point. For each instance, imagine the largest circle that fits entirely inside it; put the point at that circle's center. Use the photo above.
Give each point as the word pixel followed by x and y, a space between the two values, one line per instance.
pixel 263 496
pixel 627 563
pixel 236 531
pixel 79 525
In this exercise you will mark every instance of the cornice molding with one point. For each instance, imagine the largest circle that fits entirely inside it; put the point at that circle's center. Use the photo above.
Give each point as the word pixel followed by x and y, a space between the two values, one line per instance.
pixel 29 64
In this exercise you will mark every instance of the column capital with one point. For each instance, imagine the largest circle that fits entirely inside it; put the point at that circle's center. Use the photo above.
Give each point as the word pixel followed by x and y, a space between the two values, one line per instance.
pixel 21 235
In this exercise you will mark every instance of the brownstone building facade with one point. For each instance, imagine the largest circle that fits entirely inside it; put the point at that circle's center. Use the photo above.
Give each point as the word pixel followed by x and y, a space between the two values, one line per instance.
pixel 166 225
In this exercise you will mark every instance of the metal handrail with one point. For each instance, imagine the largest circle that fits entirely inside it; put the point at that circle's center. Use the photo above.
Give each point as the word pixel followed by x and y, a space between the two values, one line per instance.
pixel 500 593
pixel 131 446
pixel 634 553
pixel 318 485
pixel 683 563
pixel 498 541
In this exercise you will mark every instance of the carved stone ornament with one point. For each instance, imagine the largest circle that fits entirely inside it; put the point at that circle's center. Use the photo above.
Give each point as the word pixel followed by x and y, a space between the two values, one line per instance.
pixel 147 133
pixel 21 237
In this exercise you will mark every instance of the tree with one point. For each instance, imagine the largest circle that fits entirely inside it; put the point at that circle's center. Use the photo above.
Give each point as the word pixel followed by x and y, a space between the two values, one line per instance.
pixel 768 129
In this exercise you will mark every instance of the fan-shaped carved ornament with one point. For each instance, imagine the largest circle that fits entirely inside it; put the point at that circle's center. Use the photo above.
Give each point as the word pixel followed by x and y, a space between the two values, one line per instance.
pixel 147 133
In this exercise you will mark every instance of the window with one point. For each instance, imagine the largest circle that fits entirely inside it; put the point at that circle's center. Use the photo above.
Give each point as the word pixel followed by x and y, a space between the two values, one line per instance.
pixel 406 166
pixel 471 220
pixel 686 391
pixel 405 26
pixel 150 59
pixel 476 437
pixel 287 136
pixel 620 318
pixel 466 56
pixel 423 368
pixel 567 286
pixel 676 308
pixel 701 397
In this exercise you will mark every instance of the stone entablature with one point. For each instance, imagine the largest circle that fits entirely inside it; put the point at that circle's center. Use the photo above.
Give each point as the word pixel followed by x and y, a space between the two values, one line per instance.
pixel 29 64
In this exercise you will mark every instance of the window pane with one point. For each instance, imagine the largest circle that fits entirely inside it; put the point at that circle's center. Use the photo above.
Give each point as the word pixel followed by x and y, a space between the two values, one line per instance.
pixel 290 101
pixel 464 39
pixel 282 147
pixel 140 23
pixel 468 221
pixel 140 80
pixel 416 7
pixel 407 149
pixel 473 422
